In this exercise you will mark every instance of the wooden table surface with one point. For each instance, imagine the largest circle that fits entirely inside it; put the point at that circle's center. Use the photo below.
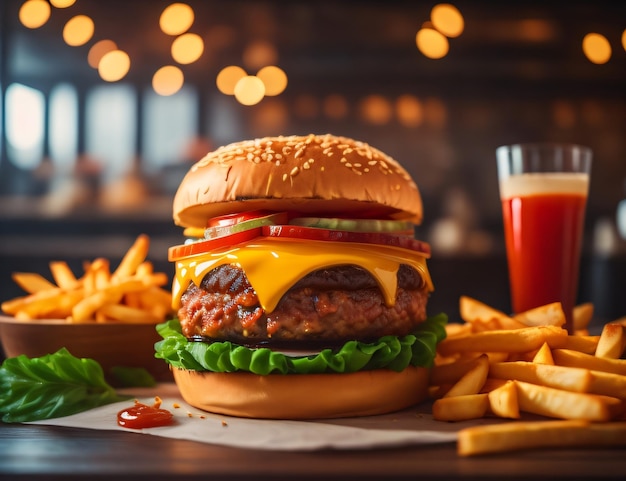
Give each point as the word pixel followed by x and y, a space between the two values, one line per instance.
pixel 40 452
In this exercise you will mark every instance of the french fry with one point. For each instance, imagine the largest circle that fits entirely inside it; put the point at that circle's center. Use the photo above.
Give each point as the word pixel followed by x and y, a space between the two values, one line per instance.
pixel 503 401
pixel 86 308
pixel 543 355
pixel 520 435
pixel 473 380
pixel 611 342
pixel 133 258
pixel 547 315
pixel 556 403
pixel 608 384
pixel 582 315
pixel 566 378
pixel 472 310
pixel 457 329
pixel 451 372
pixel 581 343
pixel 492 383
pixel 460 408
pixel 63 275
pixel 31 282
pixel 119 312
pixel 509 340
pixel 568 357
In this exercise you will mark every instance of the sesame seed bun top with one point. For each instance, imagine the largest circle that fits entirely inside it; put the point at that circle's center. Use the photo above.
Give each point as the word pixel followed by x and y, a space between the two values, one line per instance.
pixel 321 175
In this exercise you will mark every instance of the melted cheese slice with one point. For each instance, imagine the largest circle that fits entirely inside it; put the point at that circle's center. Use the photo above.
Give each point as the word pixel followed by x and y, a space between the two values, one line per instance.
pixel 273 265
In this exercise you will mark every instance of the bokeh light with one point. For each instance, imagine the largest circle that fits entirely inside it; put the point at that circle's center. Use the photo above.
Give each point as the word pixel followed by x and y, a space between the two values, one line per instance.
pixel 34 13
pixel 228 78
pixel 409 111
pixel 306 106
pixel 447 19
pixel 274 78
pixel 596 48
pixel 78 30
pixel 432 43
pixel 624 39
pixel 376 109
pixel 114 66
pixel 335 106
pixel 168 80
pixel 259 53
pixel 249 90
pixel 187 48
pixel 98 50
pixel 176 18
pixel 62 3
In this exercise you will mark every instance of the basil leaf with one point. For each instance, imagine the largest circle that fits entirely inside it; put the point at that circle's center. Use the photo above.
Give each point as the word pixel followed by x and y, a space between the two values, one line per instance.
pixel 51 386
pixel 391 352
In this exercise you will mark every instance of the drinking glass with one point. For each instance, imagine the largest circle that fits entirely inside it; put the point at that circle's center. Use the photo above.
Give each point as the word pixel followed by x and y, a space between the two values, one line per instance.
pixel 543 190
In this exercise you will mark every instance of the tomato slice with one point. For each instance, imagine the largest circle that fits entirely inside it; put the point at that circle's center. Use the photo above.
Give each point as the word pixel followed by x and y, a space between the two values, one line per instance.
pixel 194 248
pixel 316 233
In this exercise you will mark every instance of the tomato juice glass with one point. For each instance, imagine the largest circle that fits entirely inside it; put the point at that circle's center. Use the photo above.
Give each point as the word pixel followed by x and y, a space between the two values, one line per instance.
pixel 543 190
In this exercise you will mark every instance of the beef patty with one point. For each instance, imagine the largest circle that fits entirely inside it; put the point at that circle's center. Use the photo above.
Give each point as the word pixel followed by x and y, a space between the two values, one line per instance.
pixel 325 307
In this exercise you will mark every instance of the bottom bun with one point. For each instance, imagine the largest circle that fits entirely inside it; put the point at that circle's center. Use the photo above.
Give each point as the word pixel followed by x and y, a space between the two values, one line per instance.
pixel 303 396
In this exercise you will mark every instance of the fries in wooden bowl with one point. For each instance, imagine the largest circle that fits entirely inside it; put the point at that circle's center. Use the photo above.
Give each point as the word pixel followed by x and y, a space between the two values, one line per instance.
pixel 103 314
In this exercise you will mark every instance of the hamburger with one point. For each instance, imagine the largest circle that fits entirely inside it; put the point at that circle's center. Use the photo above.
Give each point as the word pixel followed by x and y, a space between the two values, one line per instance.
pixel 301 291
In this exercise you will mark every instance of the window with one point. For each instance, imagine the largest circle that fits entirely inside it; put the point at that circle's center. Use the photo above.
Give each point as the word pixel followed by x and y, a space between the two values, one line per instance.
pixel 63 127
pixel 25 110
pixel 111 113
pixel 170 126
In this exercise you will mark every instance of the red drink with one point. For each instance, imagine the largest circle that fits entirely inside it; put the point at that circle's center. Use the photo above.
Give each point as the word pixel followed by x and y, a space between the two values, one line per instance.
pixel 543 225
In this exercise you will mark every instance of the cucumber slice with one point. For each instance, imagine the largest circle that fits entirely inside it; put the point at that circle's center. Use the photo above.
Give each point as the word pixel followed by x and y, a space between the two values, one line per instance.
pixel 356 225
pixel 254 223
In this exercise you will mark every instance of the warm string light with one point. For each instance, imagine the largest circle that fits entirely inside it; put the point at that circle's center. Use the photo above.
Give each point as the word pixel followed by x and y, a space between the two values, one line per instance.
pixel 78 30
pixel 176 18
pixel 251 89
pixel 446 21
pixel 34 13
pixel 168 80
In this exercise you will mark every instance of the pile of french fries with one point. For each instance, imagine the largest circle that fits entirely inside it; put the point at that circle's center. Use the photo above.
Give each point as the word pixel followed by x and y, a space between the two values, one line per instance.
pixel 132 292
pixel 561 390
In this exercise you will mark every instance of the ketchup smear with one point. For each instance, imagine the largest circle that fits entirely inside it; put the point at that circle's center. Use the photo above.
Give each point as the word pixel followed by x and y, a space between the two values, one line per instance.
pixel 142 416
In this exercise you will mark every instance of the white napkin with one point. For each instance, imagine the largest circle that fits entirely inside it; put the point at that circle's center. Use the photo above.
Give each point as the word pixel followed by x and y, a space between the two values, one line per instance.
pixel 409 427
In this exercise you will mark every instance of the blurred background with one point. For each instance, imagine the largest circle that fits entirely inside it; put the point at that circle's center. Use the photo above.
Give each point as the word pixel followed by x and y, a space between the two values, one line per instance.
pixel 105 105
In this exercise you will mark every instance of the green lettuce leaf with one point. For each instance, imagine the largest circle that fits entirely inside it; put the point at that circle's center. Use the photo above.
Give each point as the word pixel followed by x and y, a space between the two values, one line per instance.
pixel 391 352
pixel 51 386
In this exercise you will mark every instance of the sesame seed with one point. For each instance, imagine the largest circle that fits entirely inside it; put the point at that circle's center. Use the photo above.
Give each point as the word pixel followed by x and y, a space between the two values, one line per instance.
pixel 285 176
pixel 294 171
pixel 306 165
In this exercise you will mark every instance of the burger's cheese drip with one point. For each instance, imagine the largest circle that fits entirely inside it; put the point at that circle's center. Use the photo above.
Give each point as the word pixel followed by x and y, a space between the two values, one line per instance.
pixel 274 265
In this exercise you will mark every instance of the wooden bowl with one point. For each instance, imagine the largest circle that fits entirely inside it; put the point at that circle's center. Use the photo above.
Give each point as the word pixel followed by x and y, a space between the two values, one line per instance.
pixel 111 344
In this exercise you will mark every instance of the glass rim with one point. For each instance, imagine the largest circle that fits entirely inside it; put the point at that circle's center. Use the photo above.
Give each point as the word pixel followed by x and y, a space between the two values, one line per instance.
pixel 545 145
